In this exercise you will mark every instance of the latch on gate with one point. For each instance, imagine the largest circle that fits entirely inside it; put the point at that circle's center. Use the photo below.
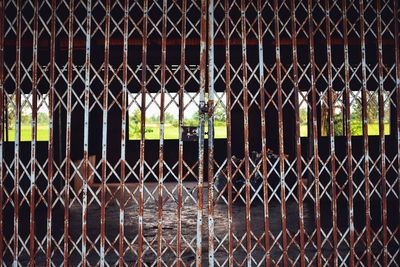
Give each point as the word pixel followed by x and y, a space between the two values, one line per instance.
pixel 191 133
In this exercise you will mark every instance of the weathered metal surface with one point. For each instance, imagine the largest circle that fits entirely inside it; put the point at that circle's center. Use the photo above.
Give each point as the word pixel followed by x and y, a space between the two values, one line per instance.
pixel 277 68
pixel 2 113
pixel 314 135
pixel 382 148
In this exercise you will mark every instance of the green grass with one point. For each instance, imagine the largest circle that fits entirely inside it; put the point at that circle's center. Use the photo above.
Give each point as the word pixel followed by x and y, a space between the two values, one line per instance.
pixel 26 133
pixel 172 132
pixel 373 129
pixel 303 130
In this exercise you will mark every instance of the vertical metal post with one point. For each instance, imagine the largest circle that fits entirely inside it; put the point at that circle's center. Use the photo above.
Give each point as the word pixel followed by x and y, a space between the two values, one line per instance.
pixel 246 128
pixel 68 134
pixel 2 128
pixel 348 131
pixel 86 132
pixel 280 130
pixel 263 131
pixel 50 149
pixel 104 136
pixel 331 133
pixel 397 59
pixel 32 204
pixel 162 130
pixel 142 133
pixel 365 134
pixel 211 133
pixel 228 127
pixel 203 67
pixel 180 149
pixel 297 135
pixel 123 136
pixel 315 132
pixel 381 104
pixel 17 134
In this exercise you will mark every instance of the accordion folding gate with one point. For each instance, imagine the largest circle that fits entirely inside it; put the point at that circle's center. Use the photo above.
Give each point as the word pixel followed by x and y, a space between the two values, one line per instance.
pixel 301 167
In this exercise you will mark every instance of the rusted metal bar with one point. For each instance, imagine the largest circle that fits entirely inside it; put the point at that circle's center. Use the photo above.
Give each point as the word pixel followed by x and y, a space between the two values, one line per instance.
pixel 2 127
pixel 382 134
pixel 162 129
pixel 246 129
pixel 228 127
pixel 397 59
pixel 104 135
pixel 298 137
pixel 314 132
pixel 211 96
pixel 203 66
pixel 142 133
pixel 123 136
pixel 349 160
pixel 331 133
pixel 280 130
pixel 17 134
pixel 86 133
pixel 68 133
pixel 365 134
pixel 50 149
pixel 180 149
pixel 32 204
pixel 263 132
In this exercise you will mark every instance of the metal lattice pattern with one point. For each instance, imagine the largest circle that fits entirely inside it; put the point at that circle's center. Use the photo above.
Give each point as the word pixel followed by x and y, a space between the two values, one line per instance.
pixel 91 196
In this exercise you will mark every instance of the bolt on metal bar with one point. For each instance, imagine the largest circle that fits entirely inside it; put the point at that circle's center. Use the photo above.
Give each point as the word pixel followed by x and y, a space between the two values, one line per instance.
pixel 365 134
pixel 180 149
pixel 17 134
pixel 211 94
pixel 382 134
pixel 32 203
pixel 104 135
pixel 50 149
pixel 263 132
pixel 297 135
pixel 314 132
pixel 228 127
pixel 123 136
pixel 142 133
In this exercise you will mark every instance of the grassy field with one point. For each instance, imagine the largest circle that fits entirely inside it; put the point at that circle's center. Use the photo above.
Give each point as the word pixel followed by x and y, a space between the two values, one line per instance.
pixel 172 132
pixel 26 133
pixel 373 129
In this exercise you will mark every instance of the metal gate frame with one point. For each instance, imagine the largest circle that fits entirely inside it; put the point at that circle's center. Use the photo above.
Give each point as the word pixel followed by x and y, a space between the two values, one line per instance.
pixel 47 52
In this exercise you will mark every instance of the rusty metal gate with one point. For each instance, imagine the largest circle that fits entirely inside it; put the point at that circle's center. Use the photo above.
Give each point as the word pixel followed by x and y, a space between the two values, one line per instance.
pixel 195 133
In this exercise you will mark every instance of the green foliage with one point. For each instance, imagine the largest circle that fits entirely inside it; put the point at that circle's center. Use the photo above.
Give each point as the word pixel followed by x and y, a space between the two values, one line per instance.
pixel 152 129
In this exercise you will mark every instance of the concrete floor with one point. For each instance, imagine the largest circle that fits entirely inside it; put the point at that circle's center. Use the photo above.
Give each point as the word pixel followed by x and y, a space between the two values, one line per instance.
pixel 189 217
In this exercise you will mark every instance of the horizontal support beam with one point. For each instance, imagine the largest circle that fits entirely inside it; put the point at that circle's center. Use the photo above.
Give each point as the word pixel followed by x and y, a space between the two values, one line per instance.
pixel 79 43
